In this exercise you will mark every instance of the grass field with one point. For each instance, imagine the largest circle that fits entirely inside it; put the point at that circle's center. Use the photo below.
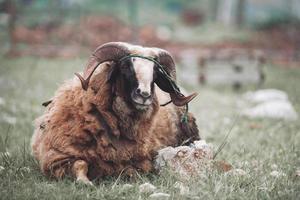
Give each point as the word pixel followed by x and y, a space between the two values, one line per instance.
pixel 256 146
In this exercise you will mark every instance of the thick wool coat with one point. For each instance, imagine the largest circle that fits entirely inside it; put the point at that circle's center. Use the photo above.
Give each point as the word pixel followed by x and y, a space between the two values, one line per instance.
pixel 80 125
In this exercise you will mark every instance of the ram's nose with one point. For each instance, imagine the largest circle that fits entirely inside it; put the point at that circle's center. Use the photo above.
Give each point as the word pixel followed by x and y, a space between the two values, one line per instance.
pixel 143 94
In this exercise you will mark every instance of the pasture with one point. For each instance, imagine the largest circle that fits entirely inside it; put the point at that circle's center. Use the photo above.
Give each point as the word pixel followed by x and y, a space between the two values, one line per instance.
pixel 259 146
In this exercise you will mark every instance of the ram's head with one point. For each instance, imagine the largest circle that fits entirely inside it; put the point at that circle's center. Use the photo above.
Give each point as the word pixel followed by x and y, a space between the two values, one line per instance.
pixel 139 74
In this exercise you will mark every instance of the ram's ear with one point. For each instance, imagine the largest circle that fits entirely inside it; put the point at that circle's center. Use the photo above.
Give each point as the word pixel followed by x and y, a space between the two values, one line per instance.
pixel 177 98
pixel 112 72
pixel 162 82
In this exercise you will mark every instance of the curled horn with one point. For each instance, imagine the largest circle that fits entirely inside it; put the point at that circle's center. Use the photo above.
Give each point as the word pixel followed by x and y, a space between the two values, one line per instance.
pixel 165 59
pixel 111 51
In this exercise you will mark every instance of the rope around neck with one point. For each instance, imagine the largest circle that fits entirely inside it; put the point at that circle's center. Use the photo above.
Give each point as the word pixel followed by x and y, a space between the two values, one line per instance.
pixel 184 118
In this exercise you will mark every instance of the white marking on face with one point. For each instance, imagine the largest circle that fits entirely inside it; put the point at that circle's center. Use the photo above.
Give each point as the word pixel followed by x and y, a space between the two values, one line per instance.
pixel 144 73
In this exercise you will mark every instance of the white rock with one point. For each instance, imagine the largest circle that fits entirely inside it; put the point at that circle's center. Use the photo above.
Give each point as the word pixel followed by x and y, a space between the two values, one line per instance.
pixel 159 195
pixel 167 153
pixel 236 172
pixel 200 144
pixel 185 160
pixel 163 156
pixel 147 188
pixel 277 174
pixel 274 109
pixel 183 190
pixel 207 148
pixel 265 95
pixel 271 103
pixel 2 168
pixel 127 186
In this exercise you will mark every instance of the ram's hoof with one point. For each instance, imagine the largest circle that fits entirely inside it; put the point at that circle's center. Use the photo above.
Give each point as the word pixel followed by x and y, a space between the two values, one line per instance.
pixel 84 181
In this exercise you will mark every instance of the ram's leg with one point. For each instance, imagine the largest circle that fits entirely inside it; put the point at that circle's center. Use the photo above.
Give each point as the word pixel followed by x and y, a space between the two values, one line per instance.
pixel 80 170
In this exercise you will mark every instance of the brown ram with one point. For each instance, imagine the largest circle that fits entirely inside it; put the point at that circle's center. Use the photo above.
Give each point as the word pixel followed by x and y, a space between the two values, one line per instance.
pixel 110 120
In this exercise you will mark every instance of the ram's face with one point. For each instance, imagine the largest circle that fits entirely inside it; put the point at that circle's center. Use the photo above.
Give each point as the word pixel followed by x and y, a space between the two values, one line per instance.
pixel 139 75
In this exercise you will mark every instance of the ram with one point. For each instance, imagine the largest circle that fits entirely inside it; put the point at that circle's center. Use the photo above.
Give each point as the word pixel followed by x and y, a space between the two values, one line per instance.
pixel 111 120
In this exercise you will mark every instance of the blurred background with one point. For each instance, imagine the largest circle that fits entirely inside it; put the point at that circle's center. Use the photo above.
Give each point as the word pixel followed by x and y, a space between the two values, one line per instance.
pixel 201 34
pixel 70 28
